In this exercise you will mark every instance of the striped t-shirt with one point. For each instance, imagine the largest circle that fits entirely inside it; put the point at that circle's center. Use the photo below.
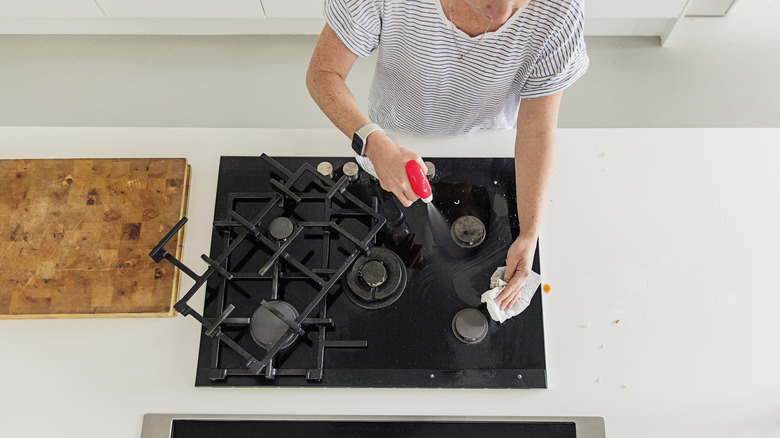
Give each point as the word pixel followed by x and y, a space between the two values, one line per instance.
pixel 421 86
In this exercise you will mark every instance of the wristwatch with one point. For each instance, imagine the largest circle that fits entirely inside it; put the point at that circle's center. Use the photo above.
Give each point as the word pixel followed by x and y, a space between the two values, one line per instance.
pixel 360 137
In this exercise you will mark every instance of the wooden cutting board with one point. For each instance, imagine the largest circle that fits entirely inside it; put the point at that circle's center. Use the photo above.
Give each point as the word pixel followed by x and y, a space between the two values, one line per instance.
pixel 75 236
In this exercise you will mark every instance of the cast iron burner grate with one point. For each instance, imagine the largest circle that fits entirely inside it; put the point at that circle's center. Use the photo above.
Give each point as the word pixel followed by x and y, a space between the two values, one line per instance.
pixel 275 213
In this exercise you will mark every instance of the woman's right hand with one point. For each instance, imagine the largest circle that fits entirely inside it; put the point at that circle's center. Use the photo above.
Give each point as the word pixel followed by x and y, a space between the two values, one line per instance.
pixel 389 162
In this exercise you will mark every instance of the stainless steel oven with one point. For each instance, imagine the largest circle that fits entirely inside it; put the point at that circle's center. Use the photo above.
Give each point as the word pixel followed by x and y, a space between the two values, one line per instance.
pixel 271 426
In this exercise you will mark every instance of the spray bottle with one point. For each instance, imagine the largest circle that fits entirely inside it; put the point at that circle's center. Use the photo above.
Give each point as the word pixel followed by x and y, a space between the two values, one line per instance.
pixel 420 183
pixel 415 173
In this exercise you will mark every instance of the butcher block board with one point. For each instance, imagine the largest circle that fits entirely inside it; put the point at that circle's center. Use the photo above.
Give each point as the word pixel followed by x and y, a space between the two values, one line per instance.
pixel 75 236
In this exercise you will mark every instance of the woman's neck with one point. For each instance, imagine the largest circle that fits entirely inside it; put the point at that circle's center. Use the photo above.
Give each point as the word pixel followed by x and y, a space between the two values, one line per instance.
pixel 471 21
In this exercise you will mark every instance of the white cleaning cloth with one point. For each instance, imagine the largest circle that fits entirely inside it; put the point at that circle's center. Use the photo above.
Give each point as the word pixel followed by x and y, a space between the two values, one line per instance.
pixel 498 284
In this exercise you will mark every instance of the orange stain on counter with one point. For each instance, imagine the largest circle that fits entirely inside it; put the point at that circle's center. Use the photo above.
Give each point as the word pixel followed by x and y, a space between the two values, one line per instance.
pixel 546 288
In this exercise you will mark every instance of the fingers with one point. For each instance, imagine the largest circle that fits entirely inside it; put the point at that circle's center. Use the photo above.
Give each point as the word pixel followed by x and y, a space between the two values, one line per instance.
pixel 508 302
pixel 401 189
pixel 512 292
pixel 507 298
pixel 406 199
pixel 518 268
pixel 422 164
pixel 393 178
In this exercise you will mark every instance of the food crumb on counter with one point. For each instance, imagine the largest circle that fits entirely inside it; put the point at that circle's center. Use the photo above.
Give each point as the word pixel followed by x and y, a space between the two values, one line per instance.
pixel 586 325
pixel 599 380
pixel 603 154
pixel 624 386
pixel 617 321
pixel 546 288
pixel 603 346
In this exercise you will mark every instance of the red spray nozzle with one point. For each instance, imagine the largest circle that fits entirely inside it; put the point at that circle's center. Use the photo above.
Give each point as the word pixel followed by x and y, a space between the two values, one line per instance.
pixel 419 181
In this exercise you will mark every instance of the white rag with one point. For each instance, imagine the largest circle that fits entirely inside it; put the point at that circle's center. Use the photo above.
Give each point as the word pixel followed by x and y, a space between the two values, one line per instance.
pixel 498 284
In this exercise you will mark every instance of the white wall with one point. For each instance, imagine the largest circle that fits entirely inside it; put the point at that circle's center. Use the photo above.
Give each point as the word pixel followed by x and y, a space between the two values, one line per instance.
pixel 715 72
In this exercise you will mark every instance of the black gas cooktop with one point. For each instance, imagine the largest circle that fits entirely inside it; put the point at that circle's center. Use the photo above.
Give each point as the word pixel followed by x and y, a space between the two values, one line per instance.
pixel 318 277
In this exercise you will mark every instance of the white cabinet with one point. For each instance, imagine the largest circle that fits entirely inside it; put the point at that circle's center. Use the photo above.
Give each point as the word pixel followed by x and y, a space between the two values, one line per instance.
pixel 610 9
pixel 710 7
pixel 230 17
pixel 213 9
pixel 603 17
pixel 49 8
pixel 293 8
pixel 632 17
pixel 597 9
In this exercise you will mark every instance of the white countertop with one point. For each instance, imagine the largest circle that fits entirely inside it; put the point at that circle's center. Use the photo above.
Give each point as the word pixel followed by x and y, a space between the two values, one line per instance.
pixel 674 232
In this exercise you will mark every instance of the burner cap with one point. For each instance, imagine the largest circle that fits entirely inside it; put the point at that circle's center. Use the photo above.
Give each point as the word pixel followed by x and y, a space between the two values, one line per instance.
pixel 373 273
pixel 470 326
pixel 281 228
pixel 468 231
pixel 266 328
pixel 377 280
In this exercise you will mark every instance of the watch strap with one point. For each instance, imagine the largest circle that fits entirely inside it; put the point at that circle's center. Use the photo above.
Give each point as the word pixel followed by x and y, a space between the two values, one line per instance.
pixel 363 134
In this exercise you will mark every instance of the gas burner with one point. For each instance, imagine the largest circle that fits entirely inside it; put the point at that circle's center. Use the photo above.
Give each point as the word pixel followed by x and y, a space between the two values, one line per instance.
pixel 377 280
pixel 271 321
pixel 277 324
pixel 322 252
pixel 470 326
pixel 281 228
pixel 468 231
pixel 373 273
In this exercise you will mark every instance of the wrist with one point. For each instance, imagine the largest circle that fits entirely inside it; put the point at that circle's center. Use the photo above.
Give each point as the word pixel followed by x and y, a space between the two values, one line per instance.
pixel 528 237
pixel 376 143
pixel 360 137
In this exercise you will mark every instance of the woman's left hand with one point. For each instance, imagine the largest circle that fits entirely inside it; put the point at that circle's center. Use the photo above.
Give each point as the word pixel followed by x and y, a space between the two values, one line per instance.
pixel 518 267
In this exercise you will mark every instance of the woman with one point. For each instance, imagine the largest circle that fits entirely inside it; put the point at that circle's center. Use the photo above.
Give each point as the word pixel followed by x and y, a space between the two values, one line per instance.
pixel 453 67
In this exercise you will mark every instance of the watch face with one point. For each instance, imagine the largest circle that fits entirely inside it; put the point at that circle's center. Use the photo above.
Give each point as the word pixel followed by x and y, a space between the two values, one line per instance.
pixel 357 144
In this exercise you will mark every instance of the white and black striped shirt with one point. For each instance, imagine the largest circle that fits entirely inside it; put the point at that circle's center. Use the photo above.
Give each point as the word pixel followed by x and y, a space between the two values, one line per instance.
pixel 421 86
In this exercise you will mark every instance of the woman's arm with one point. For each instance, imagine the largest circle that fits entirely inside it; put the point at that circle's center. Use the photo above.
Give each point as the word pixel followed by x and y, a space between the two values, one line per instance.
pixel 535 145
pixel 328 69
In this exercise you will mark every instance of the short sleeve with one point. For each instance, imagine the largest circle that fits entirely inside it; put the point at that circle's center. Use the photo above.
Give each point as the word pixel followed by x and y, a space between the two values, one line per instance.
pixel 563 58
pixel 357 23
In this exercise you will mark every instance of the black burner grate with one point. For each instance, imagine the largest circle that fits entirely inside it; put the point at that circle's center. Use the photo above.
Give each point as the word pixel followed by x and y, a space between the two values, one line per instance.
pixel 286 257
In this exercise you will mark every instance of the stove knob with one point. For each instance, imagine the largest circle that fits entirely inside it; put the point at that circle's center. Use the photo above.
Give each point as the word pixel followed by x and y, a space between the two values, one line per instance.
pixel 326 169
pixel 351 170
pixel 431 170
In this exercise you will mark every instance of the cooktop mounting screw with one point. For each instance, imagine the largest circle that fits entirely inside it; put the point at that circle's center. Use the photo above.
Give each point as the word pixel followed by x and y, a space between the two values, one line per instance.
pixel 432 376
pixel 519 376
